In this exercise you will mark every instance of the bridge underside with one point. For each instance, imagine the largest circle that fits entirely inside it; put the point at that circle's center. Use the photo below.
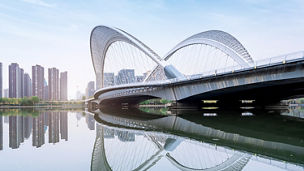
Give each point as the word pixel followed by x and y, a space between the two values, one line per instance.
pixel 127 100
pixel 262 93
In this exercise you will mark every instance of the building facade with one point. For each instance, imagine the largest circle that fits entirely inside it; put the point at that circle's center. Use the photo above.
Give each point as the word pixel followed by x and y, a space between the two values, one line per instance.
pixel 125 76
pixel 27 87
pixel 15 81
pixel 90 89
pixel 1 81
pixel 64 86
pixel 38 81
pixel 53 83
pixel 108 79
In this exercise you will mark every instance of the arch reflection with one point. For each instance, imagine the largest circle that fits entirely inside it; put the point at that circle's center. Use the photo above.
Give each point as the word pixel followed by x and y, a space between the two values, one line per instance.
pixel 138 142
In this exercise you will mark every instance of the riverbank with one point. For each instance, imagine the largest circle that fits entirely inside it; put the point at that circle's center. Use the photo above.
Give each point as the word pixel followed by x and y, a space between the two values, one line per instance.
pixel 74 106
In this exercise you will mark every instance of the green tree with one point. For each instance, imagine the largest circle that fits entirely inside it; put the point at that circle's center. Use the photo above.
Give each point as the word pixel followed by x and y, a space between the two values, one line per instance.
pixel 35 100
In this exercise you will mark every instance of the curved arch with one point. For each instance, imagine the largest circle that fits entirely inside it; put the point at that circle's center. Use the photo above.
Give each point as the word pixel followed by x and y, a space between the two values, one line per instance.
pixel 101 39
pixel 218 39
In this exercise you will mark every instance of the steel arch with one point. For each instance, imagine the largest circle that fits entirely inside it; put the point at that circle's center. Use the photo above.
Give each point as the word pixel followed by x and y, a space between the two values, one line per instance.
pixel 218 39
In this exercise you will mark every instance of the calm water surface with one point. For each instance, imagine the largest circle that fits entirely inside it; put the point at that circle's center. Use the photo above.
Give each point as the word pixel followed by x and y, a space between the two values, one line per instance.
pixel 146 139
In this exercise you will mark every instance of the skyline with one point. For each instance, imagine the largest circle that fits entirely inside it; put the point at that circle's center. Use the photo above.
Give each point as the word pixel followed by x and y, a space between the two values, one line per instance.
pixel 45 32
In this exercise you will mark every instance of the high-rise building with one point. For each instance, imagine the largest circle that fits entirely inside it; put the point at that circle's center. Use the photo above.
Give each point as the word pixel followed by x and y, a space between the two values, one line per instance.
pixel 64 86
pixel 79 95
pixel 140 78
pixel 15 81
pixel 53 76
pixel 1 82
pixel 21 82
pixel 5 93
pixel 108 79
pixel 125 76
pixel 38 81
pixel 45 91
pixel 27 87
pixel 90 89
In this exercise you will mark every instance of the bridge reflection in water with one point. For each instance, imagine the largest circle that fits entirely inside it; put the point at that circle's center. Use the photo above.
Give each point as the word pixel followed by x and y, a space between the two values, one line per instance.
pixel 130 140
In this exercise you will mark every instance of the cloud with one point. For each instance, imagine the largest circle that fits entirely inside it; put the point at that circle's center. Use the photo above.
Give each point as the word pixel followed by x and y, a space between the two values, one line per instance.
pixel 39 2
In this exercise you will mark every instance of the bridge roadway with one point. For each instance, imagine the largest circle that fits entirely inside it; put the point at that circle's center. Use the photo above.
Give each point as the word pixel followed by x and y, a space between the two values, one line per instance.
pixel 281 79
pixel 173 128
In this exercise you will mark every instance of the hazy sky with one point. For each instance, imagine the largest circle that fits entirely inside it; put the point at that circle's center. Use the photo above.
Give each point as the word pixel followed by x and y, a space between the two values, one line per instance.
pixel 56 33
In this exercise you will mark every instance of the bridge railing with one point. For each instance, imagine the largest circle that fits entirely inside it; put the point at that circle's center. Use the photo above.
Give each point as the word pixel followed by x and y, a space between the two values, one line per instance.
pixel 282 59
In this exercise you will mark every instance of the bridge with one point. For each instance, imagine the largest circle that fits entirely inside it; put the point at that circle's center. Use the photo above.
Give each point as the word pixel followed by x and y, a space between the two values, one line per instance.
pixel 150 140
pixel 208 65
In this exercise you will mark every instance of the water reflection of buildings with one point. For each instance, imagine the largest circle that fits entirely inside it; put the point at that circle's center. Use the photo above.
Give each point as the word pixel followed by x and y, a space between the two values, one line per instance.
pixel 21 127
pixel 1 132
pixel 38 131
pixel 90 122
pixel 123 136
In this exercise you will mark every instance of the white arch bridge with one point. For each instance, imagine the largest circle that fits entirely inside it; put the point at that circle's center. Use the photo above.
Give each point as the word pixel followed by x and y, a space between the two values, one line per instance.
pixel 208 65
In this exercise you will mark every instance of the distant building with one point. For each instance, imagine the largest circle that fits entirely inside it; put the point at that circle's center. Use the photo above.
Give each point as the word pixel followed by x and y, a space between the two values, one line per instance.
pixel 45 91
pixel 90 89
pixel 140 78
pixel 53 83
pixel 125 76
pixel 5 93
pixel 38 81
pixel 27 87
pixel 108 79
pixel 15 81
pixel 1 81
pixel 21 82
pixel 64 86
pixel 79 95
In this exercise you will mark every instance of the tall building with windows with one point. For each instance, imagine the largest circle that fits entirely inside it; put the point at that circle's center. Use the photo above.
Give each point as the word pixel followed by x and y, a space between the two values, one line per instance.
pixel 5 93
pixel 27 87
pixel 1 81
pixel 45 91
pixel 53 83
pixel 15 81
pixel 64 86
pixel 90 89
pixel 38 81
pixel 21 82
pixel 108 79
pixel 125 76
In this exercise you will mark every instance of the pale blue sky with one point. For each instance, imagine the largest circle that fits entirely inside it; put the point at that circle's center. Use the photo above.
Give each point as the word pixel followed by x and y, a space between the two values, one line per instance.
pixel 56 33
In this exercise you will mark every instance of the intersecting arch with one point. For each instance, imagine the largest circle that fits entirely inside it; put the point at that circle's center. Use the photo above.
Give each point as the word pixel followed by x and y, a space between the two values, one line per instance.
pixel 220 40
pixel 101 39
